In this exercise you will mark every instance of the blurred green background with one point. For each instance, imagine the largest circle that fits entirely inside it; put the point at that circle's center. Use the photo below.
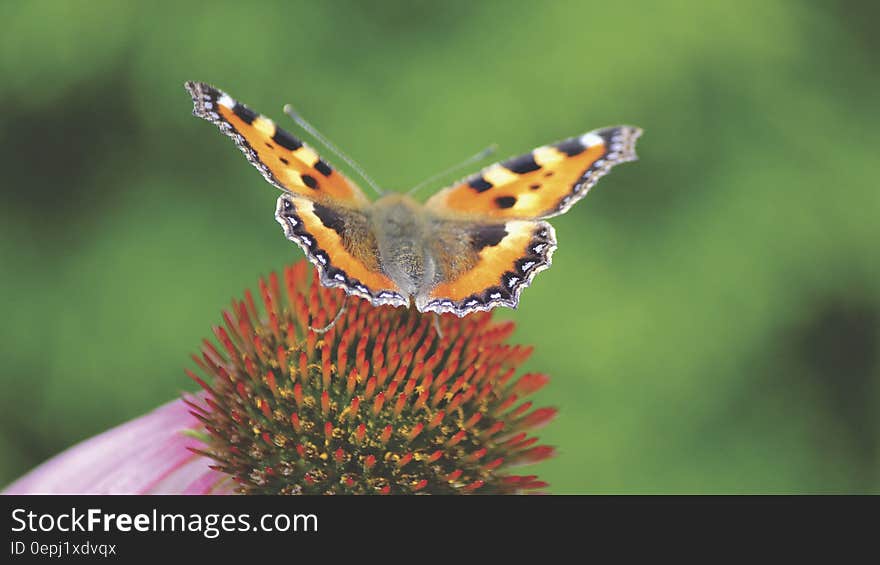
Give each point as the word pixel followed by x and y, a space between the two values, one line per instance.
pixel 712 319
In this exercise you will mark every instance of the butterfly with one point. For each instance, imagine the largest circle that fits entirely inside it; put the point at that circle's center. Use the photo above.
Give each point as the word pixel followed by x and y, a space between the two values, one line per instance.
pixel 470 247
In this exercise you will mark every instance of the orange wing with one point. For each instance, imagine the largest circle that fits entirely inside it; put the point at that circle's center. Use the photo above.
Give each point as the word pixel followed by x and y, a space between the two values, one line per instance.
pixel 540 184
pixel 284 160
pixel 484 265
pixel 341 244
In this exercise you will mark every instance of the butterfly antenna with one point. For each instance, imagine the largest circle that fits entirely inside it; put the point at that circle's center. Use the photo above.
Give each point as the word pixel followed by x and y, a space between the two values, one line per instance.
pixel 301 122
pixel 472 159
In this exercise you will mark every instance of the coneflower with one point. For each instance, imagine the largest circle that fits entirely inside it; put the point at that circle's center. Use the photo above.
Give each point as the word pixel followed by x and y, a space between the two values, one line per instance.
pixel 382 403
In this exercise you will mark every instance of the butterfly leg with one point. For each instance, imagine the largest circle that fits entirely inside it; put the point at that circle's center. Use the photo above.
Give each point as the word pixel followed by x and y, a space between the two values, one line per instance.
pixel 437 325
pixel 338 315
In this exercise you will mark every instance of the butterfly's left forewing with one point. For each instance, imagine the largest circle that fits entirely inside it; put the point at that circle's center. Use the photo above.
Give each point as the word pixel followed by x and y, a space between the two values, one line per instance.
pixel 543 183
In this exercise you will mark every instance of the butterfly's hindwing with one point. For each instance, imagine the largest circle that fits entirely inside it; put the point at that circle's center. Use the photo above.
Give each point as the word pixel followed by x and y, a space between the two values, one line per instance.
pixel 482 266
pixel 341 244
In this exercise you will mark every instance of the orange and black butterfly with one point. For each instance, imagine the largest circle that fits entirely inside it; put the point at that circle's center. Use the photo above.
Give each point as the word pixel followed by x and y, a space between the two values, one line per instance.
pixel 471 247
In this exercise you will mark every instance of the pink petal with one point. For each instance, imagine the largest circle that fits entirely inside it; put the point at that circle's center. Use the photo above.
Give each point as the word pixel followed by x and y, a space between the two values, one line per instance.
pixel 148 455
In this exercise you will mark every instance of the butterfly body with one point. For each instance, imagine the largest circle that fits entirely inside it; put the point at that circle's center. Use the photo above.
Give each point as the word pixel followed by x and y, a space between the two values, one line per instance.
pixel 402 231
pixel 470 247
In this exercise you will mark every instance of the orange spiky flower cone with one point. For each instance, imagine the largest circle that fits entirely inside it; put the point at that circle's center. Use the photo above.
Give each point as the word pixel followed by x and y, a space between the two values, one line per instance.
pixel 381 403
